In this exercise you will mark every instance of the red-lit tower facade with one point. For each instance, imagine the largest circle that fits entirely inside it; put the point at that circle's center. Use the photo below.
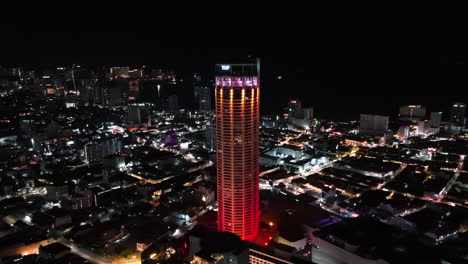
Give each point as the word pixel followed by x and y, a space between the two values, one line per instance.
pixel 237 96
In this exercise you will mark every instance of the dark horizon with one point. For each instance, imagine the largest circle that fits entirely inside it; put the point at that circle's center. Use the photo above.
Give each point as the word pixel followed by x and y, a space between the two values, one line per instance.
pixel 342 69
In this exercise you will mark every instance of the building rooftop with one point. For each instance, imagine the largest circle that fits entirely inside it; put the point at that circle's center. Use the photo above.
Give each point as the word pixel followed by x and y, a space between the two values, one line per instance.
pixel 54 248
pixel 367 234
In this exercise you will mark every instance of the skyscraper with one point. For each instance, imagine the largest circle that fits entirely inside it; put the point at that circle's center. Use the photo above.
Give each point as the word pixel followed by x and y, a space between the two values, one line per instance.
pixel 119 72
pixel 436 119
pixel 237 96
pixel 412 112
pixel 202 95
pixel 116 93
pixel 403 132
pixel 293 106
pixel 375 125
pixel 134 115
pixel 457 117
pixel 301 117
pixel 133 89
pixel 173 103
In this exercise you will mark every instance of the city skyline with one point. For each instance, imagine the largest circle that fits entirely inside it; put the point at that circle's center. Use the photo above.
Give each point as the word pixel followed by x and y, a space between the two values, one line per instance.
pixel 324 108
pixel 336 59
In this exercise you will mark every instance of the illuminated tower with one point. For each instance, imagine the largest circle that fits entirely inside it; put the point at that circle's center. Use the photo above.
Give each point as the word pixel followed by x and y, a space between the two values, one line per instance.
pixel 237 96
pixel 457 117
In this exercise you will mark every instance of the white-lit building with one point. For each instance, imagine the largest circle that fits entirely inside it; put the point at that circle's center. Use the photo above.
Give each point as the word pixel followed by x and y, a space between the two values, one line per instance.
pixel 375 125
pixel 293 160
pixel 403 132
pixel 119 72
pixel 412 112
pixel 435 120
pixel 98 149
pixel 457 116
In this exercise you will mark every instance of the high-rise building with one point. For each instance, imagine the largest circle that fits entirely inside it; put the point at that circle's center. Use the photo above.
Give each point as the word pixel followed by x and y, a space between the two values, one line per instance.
pixel 272 121
pixel 375 125
pixel 115 93
pixel 133 89
pixel 173 103
pixel 197 78
pixel 134 115
pixel 436 119
pixel 293 106
pixel 237 96
pixel 48 83
pixel 202 96
pixel 135 73
pixel 201 93
pixel 403 132
pixel 302 117
pixel 98 149
pixel 210 136
pixel 412 112
pixel 297 115
pixel 119 72
pixel 422 127
pixel 457 117
pixel 86 88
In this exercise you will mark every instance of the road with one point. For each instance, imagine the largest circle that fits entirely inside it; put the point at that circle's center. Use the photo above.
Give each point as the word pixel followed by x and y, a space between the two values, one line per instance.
pixel 442 193
pixel 85 253
pixel 403 167
pixel 289 179
pixel 200 167
pixel 452 181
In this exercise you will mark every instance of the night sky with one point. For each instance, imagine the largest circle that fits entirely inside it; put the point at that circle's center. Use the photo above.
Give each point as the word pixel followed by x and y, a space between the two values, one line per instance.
pixel 341 63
